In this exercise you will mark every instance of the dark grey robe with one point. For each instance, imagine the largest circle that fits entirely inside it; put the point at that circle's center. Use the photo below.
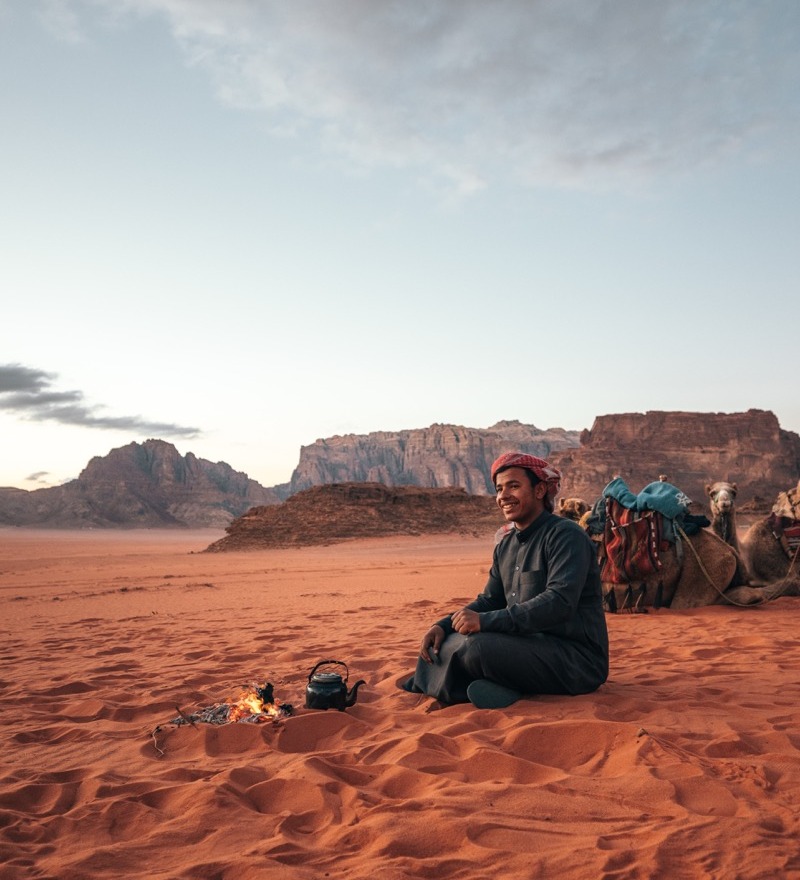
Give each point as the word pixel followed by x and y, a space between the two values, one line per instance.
pixel 543 627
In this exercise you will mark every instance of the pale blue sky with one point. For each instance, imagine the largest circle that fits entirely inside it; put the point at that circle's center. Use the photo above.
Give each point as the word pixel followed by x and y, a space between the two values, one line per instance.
pixel 242 226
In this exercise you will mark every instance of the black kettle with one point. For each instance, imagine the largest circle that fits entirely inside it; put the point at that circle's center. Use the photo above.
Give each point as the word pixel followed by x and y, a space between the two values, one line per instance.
pixel 328 690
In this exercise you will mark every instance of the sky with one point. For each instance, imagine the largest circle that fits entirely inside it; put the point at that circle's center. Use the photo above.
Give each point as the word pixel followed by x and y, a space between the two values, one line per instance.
pixel 243 225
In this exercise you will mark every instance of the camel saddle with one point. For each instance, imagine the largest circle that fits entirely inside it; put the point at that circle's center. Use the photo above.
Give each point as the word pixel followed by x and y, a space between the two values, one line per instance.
pixel 638 527
pixel 632 532
pixel 631 544
pixel 786 532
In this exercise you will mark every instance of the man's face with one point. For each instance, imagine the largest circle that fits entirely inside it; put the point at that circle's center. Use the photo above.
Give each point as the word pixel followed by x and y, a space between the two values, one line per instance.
pixel 520 501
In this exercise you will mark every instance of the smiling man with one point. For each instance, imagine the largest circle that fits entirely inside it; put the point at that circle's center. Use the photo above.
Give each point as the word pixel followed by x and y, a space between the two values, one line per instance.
pixel 539 626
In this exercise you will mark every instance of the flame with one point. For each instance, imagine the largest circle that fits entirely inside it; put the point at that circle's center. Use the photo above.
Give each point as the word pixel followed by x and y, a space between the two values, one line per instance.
pixel 254 705
pixel 250 703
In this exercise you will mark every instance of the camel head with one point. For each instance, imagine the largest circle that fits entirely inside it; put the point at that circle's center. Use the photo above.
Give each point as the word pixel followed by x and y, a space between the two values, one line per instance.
pixel 721 497
pixel 572 508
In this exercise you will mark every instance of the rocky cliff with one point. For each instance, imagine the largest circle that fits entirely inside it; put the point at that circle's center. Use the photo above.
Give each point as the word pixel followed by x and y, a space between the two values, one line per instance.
pixel 338 512
pixel 152 485
pixel 436 457
pixel 691 449
pixel 146 484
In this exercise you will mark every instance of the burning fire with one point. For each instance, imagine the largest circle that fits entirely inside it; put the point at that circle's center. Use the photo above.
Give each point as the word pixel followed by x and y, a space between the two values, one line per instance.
pixel 254 701
pixel 255 705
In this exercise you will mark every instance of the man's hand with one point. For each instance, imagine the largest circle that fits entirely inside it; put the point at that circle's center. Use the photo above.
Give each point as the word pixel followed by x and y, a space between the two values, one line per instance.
pixel 431 642
pixel 466 621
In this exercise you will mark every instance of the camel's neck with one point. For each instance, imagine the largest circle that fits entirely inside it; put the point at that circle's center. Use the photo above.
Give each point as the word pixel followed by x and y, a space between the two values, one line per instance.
pixel 724 524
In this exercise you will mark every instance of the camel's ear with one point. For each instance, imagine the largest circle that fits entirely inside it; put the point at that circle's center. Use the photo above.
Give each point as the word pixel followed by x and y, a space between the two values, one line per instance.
pixel 733 486
pixel 708 488
pixel 560 504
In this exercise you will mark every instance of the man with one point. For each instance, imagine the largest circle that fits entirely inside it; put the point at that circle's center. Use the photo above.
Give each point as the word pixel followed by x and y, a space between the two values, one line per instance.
pixel 539 626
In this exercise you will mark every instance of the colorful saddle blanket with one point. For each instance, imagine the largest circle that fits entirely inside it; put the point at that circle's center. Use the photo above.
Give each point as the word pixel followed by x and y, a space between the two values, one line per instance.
pixel 632 542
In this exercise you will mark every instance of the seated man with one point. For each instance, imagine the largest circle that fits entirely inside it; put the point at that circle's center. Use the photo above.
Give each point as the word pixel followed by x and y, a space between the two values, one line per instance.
pixel 539 626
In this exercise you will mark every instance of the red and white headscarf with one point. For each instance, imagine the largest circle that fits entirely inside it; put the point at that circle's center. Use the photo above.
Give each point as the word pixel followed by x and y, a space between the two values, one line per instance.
pixel 543 469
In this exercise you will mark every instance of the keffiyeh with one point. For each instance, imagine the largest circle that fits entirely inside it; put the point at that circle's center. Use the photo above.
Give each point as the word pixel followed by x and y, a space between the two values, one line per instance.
pixel 543 469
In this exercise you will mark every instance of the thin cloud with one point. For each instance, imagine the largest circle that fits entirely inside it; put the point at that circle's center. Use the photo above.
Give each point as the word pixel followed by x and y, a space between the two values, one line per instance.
pixel 38 477
pixel 26 392
pixel 569 93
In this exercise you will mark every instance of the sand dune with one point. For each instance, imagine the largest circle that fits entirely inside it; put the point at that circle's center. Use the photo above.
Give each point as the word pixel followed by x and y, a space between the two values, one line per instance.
pixel 685 764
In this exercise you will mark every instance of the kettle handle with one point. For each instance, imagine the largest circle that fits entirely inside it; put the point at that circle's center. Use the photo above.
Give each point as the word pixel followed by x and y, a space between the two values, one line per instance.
pixel 324 662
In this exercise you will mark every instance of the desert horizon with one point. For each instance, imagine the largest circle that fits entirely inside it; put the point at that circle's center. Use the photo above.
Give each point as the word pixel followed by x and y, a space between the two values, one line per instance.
pixel 685 763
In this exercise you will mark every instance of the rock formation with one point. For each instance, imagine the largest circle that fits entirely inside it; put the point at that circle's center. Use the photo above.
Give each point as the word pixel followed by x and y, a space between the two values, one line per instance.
pixel 151 484
pixel 691 449
pixel 337 512
pixel 146 484
pixel 436 457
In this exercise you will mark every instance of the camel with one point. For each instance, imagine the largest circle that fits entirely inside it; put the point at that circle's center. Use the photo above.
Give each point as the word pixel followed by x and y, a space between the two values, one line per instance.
pixel 653 561
pixel 772 546
pixel 572 508
pixel 699 573
pixel 721 499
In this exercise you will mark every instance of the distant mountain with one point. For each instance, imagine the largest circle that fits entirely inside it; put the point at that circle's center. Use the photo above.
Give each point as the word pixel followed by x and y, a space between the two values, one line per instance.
pixel 151 485
pixel 146 484
pixel 690 449
pixel 441 456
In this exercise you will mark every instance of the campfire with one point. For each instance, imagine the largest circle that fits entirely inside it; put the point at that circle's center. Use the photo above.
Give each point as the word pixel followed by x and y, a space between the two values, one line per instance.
pixel 255 705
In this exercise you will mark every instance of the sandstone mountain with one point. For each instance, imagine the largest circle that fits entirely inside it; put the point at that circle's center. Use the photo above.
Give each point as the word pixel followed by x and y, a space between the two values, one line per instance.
pixel 139 485
pixel 152 485
pixel 691 449
pixel 337 512
pixel 439 456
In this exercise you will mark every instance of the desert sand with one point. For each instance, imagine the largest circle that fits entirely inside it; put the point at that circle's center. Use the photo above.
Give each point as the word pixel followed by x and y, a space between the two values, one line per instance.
pixel 685 764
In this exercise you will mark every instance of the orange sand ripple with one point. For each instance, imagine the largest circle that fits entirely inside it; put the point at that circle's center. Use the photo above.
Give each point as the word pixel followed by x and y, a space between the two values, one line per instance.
pixel 685 764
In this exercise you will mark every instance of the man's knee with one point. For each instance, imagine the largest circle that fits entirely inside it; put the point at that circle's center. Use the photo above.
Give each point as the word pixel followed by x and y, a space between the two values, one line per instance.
pixel 471 655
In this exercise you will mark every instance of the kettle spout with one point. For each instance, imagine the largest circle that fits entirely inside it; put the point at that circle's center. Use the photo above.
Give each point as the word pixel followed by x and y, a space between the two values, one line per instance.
pixel 353 692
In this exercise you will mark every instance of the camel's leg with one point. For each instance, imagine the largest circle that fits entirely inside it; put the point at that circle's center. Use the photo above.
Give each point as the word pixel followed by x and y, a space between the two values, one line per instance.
pixel 745 596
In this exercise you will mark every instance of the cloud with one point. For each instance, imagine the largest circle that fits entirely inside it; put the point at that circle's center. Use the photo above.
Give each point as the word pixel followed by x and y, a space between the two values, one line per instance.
pixel 15 377
pixel 26 392
pixel 38 477
pixel 567 93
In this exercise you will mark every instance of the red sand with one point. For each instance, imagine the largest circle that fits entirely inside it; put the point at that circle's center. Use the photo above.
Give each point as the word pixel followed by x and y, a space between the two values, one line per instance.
pixel 685 764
